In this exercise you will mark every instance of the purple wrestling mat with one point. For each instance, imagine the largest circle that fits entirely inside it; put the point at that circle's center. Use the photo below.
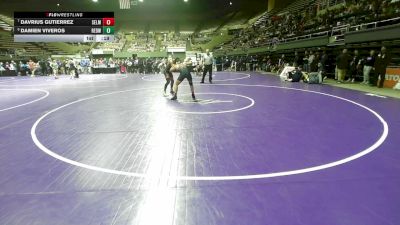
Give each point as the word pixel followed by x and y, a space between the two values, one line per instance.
pixel 111 149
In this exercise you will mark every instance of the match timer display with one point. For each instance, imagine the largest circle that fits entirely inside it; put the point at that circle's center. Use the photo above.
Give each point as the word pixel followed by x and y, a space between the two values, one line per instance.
pixel 64 26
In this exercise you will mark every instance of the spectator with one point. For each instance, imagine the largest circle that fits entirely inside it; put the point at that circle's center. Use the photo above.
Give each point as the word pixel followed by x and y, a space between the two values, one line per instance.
pixel 2 69
pixel 311 58
pixel 306 21
pixel 354 67
pixel 13 68
pixel 297 61
pixel 24 68
pixel 269 64
pixel 281 61
pixel 315 65
pixel 323 63
pixel 342 62
pixel 305 61
pixel 381 62
pixel 369 63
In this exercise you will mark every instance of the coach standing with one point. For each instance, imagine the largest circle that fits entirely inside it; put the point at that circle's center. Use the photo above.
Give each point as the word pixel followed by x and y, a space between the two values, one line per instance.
pixel 208 61
pixel 342 63
pixel 381 62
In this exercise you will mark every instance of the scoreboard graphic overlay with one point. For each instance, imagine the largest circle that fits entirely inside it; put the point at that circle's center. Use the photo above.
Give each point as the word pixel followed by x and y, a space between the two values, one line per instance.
pixel 64 26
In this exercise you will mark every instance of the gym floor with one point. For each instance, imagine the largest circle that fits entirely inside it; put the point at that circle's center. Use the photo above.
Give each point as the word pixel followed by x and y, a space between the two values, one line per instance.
pixel 112 150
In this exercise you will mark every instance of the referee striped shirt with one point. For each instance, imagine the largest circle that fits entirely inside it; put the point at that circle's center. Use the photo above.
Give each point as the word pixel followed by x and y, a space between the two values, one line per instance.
pixel 208 59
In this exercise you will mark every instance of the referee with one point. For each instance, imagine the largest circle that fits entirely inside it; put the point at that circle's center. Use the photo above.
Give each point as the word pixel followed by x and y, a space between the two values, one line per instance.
pixel 208 60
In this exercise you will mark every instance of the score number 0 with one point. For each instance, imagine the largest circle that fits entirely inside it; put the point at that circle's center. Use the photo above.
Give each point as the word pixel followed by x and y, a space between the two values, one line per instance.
pixel 108 21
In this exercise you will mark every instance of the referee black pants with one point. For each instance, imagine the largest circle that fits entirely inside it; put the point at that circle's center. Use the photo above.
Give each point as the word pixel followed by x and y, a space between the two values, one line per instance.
pixel 207 69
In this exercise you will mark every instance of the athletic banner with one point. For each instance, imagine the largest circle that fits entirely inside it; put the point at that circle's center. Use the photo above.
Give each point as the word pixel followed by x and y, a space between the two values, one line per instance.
pixel 392 77
pixel 124 4
pixel 397 86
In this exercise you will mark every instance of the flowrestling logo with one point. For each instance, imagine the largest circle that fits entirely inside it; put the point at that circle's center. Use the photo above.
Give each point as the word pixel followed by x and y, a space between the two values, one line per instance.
pixel 64 14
